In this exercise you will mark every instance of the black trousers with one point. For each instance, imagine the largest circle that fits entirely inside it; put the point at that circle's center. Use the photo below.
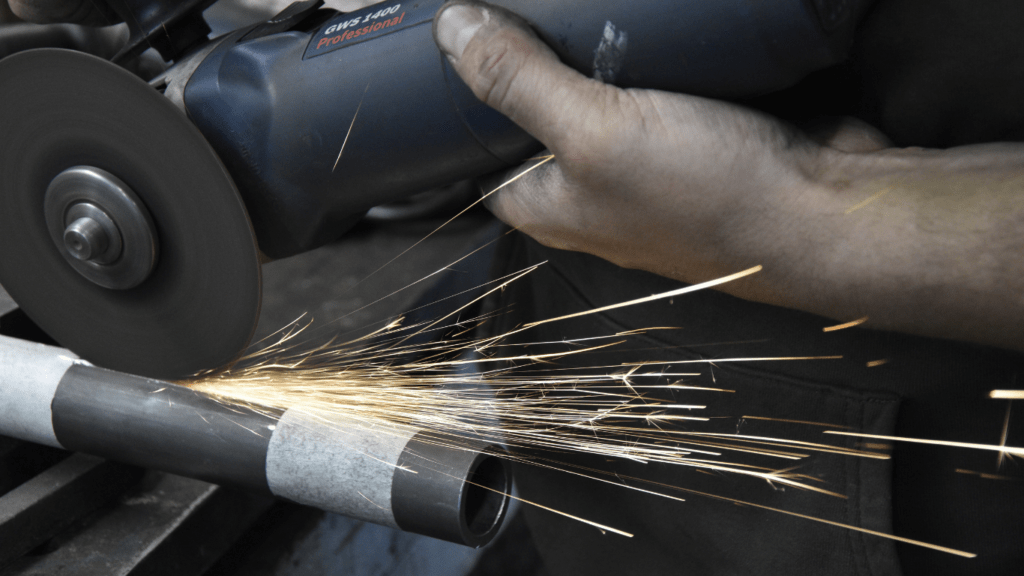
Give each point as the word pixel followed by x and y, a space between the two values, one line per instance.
pixel 926 388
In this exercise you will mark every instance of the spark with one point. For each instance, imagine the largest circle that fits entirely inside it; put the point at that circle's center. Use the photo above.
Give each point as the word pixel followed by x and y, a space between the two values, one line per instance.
pixel 371 501
pixel 874 363
pixel 756 359
pixel 867 200
pixel 246 428
pixel 541 161
pixel 383 382
pixel 987 476
pixel 1005 449
pixel 652 298
pixel 874 445
pixel 1002 438
pixel 198 413
pixel 850 324
pixel 935 547
pixel 1007 394
pixel 602 527
pixel 809 423
pixel 807 445
pixel 371 381
pixel 350 126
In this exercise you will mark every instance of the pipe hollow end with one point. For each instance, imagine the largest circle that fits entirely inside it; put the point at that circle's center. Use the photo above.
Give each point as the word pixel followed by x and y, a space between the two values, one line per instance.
pixel 454 490
pixel 486 496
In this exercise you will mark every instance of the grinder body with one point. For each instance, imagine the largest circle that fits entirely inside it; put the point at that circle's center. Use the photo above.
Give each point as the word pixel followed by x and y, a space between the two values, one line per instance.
pixel 293 128
pixel 321 119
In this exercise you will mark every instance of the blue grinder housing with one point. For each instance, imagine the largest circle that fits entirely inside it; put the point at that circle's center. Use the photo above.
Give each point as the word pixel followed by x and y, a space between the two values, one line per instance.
pixel 345 111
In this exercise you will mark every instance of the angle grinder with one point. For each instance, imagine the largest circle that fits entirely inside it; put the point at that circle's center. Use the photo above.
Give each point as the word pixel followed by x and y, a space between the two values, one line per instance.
pixel 134 215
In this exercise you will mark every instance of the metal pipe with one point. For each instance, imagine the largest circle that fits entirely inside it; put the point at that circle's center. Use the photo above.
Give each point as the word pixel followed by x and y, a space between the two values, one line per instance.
pixel 389 475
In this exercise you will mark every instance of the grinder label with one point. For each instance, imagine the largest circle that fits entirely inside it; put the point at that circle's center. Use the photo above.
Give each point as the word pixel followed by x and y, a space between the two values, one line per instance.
pixel 377 20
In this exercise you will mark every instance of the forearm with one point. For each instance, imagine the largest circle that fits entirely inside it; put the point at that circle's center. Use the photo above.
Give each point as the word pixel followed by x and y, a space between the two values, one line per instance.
pixel 920 241
pixel 925 242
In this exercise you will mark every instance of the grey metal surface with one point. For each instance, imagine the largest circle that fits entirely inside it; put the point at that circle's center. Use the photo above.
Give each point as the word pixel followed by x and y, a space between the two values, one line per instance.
pixel 40 508
pixel 161 425
pixel 169 525
pixel 456 493
pixel 7 304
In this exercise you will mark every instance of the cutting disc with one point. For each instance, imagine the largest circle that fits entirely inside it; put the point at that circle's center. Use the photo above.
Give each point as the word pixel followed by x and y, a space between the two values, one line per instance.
pixel 197 309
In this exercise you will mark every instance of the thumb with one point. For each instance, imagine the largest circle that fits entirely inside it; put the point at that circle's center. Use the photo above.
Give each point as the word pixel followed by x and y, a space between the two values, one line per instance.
pixel 511 70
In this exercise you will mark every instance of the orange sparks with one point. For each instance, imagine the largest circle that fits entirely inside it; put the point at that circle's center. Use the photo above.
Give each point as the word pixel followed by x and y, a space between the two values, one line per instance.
pixel 1007 394
pixel 986 475
pixel 851 324
pixel 970 445
pixel 867 201
pixel 372 382
pixel 688 289
pixel 794 421
pixel 874 446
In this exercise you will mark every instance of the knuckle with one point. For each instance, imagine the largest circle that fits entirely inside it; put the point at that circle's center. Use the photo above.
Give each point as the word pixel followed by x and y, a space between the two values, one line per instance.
pixel 498 67
pixel 543 206
pixel 603 130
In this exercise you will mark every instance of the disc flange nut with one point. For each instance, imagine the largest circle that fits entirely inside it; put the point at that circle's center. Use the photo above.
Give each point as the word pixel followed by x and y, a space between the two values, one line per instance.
pixel 101 227
pixel 90 235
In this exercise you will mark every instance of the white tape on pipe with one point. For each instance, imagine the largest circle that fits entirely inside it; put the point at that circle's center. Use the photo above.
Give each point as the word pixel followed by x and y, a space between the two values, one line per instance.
pixel 339 465
pixel 29 375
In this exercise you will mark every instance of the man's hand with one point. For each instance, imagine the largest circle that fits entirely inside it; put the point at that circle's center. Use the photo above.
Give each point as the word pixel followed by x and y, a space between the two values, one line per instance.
pixel 927 242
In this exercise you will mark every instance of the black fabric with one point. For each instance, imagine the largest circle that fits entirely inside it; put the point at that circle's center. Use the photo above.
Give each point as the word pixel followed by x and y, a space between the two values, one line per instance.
pixel 943 386
pixel 932 73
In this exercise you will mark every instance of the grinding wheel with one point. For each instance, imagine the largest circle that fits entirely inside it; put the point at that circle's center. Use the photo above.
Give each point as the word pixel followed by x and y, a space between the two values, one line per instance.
pixel 193 296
